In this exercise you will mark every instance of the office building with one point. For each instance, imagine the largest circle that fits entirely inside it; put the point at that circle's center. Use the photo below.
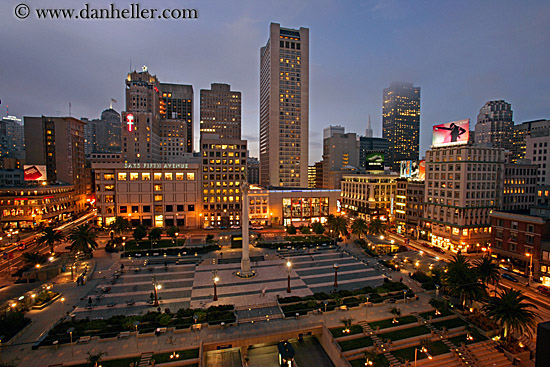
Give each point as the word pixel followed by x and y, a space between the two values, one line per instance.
pixel 58 144
pixel 369 196
pixel 221 111
pixel 537 151
pixel 520 180
pixel 340 154
pixel 368 145
pixel 141 120
pixel 311 176
pixel 253 170
pixel 103 135
pixel 12 138
pixel 319 174
pixel 409 207
pixel 223 173
pixel 284 107
pixel 401 123
pixel 463 186
pixel 11 177
pixel 176 113
pixel 536 128
pixel 495 125
pixel 521 240
pixel 153 194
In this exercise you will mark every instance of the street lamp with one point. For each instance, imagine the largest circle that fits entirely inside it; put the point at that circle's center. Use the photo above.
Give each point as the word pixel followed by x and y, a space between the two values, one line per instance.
pixel 215 279
pixel 367 308
pixel 336 266
pixel 136 323
pixel 177 234
pixel 423 350
pixel 404 294
pixel 70 331
pixel 288 266
pixel 528 254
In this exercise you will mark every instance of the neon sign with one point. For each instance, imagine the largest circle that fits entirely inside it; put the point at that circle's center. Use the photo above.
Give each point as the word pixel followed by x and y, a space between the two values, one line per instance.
pixel 130 121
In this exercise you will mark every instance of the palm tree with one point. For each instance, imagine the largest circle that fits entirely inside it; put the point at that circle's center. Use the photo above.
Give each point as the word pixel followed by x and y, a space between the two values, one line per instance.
pixel 120 225
pixel 33 258
pixel 340 225
pixel 510 310
pixel 50 237
pixel 83 239
pixel 461 281
pixel 347 324
pixel 487 270
pixel 376 227
pixel 359 227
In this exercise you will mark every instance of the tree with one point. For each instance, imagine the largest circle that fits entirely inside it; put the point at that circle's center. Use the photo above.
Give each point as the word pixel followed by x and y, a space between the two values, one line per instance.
pixel 209 238
pixel 376 227
pixel 305 230
pixel 347 324
pixel 139 232
pixel 171 232
pixel 120 225
pixel 155 233
pixel 93 359
pixel 318 228
pixel 510 310
pixel 338 225
pixel 359 227
pixel 396 312
pixel 460 280
pixel 487 270
pixel 50 237
pixel 370 357
pixel 83 239
pixel 34 258
pixel 291 229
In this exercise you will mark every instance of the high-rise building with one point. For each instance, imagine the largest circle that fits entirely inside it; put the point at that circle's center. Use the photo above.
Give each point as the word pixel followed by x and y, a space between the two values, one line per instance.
pixel 340 154
pixel 409 207
pixel 368 130
pixel 58 144
pixel 284 107
pixel 253 170
pixel 12 138
pixel 464 185
pixel 103 135
pixel 176 112
pixel 141 120
pixel 223 173
pixel 537 150
pixel 535 129
pixel 221 111
pixel 520 180
pixel 331 130
pixel 495 125
pixel 401 122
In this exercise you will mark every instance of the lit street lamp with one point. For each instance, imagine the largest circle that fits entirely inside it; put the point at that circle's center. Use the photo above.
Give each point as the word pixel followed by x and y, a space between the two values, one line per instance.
pixel 215 279
pixel 336 266
pixel 288 265
pixel 70 331
pixel 528 254
pixel 423 350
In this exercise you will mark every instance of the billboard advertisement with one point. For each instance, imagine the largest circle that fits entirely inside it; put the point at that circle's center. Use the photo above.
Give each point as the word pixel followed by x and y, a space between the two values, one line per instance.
pixel 451 133
pixel 415 170
pixel 35 173
pixel 374 161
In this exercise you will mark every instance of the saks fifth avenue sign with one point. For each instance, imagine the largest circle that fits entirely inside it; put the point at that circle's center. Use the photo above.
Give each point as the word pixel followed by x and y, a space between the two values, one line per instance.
pixel 157 165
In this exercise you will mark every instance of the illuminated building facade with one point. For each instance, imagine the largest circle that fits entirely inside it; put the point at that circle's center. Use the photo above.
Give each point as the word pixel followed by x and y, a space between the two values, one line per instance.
pixel 520 180
pixel 176 125
pixel 538 151
pixel 221 111
pixel 369 196
pixel 223 172
pixel 463 186
pixel 340 153
pixel 152 194
pixel 12 138
pixel 409 207
pixel 495 125
pixel 401 123
pixel 284 107
pixel 521 132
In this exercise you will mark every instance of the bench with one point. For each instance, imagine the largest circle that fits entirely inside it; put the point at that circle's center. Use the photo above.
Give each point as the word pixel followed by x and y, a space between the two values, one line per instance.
pixel 124 334
pixel 84 339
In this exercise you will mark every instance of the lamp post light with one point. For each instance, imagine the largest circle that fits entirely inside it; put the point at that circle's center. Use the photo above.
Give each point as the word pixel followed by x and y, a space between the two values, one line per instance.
pixel 70 331
pixel 423 350
pixel 404 295
pixel 367 308
pixel 136 323
pixel 288 266
pixel 530 255
pixel 215 279
pixel 336 266
pixel 177 234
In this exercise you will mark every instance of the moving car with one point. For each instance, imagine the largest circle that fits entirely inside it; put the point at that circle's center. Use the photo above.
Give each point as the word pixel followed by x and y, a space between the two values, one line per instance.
pixel 544 290
pixel 509 277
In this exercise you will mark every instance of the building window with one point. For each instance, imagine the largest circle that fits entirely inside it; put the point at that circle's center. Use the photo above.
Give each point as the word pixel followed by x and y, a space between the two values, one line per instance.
pixel 514 225
pixel 123 209
pixel 146 176
pixel 179 176
pixel 530 239
pixel 134 176
pixel 135 209
pixel 191 208
pixel 530 228
pixel 168 176
pixel 169 208
pixel 158 197
pixel 108 176
pixel 179 208
pixel 190 176
pixel 122 176
pixel 512 247
pixel 147 209
pixel 157 176
pixel 158 187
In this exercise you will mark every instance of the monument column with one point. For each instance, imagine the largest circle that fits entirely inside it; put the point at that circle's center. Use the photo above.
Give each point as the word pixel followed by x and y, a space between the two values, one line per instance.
pixel 245 261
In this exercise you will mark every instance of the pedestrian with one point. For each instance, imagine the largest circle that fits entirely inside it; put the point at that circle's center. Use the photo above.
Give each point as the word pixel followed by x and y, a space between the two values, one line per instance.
pixel 401 280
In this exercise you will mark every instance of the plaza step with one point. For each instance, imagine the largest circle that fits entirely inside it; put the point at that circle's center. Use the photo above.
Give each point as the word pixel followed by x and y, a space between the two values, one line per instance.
pixel 447 360
pixel 486 354
pixel 524 339
pixel 145 359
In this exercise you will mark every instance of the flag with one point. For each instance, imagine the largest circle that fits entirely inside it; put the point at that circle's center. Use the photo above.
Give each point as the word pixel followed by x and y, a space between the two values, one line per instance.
pixel 113 100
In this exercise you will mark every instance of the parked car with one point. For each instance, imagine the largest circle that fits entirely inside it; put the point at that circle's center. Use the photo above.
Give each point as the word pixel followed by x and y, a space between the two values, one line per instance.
pixel 235 227
pixel 509 277
pixel 209 227
pixel 256 227
pixel 544 290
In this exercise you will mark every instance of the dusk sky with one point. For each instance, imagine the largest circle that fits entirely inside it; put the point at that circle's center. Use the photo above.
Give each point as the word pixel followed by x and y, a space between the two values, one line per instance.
pixel 461 54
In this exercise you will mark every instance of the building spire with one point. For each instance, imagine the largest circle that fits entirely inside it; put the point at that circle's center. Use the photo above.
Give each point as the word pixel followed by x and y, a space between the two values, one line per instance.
pixel 368 131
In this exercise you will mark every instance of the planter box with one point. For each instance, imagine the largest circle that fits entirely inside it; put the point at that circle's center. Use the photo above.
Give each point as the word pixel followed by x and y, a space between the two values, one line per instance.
pixel 44 305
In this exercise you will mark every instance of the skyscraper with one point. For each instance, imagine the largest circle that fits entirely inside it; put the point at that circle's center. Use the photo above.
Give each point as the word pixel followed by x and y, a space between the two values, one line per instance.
pixel 103 135
pixel 368 130
pixel 284 107
pixel 495 125
pixel 401 122
pixel 176 112
pixel 221 111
